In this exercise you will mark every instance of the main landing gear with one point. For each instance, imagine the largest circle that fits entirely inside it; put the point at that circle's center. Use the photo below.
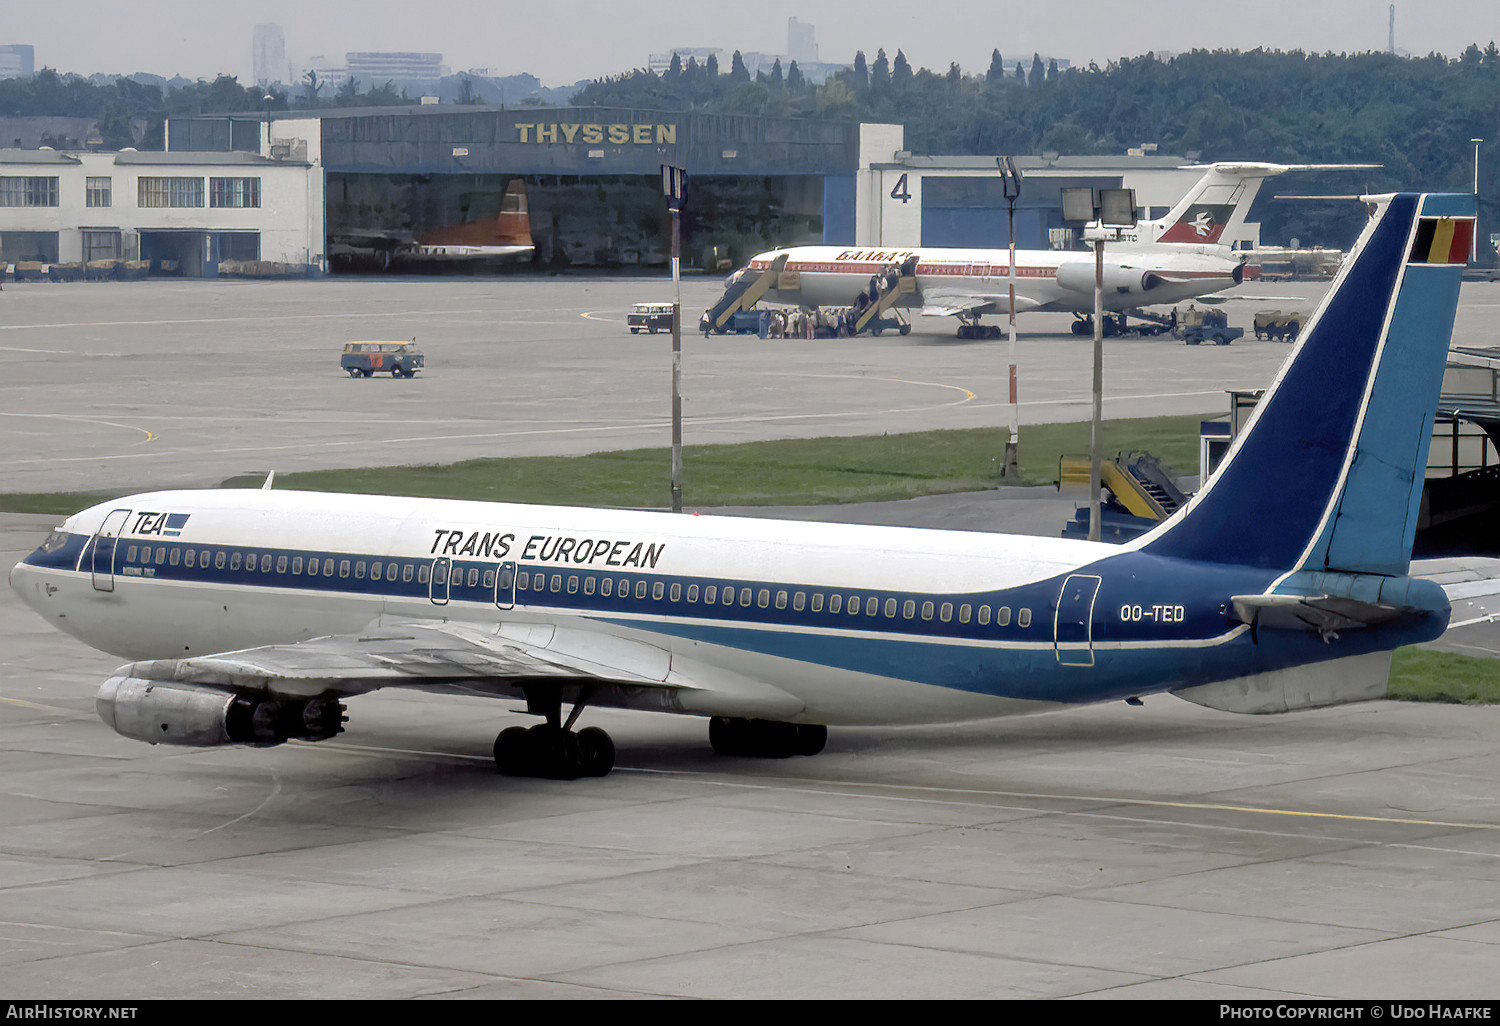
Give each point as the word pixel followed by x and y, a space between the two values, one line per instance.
pixel 766 739
pixel 970 328
pixel 552 749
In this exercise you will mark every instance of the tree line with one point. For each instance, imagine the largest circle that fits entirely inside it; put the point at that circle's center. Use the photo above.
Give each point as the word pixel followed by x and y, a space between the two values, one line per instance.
pixel 1415 116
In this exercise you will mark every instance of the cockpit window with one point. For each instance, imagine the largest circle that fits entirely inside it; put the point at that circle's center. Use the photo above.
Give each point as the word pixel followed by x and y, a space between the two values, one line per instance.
pixel 55 541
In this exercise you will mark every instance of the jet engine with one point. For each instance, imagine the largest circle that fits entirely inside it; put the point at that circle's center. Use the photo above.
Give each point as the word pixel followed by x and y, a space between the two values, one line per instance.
pixel 1078 276
pixel 168 712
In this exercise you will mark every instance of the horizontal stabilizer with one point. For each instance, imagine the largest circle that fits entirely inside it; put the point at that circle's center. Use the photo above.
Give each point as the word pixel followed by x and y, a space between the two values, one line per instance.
pixel 1360 678
pixel 1328 602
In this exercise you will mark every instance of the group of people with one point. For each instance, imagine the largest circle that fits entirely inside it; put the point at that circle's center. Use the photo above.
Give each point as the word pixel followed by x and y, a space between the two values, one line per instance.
pixel 826 321
pixel 817 322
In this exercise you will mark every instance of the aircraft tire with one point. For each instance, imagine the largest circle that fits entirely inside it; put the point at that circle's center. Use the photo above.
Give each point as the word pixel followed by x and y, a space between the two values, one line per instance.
pixel 811 738
pixel 354 372
pixel 512 750
pixel 596 752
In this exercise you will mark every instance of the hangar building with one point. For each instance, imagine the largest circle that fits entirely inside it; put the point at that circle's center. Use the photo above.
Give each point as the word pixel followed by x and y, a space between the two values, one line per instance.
pixel 592 177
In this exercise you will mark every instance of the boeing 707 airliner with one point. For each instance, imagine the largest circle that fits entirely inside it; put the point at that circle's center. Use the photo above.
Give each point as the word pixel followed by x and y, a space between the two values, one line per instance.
pixel 252 616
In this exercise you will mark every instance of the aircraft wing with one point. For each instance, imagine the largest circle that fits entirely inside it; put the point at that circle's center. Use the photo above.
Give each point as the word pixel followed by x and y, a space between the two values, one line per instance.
pixel 482 658
pixel 939 303
pixel 383 655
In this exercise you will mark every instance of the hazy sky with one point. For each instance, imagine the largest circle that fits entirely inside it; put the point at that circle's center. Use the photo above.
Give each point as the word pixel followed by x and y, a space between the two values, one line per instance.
pixel 561 41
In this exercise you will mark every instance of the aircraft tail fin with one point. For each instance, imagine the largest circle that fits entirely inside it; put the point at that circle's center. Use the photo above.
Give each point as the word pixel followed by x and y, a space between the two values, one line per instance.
pixel 1213 210
pixel 1327 475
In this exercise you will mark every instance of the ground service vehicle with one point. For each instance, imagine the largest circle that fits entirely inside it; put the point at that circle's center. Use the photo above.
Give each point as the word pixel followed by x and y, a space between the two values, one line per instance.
pixel 401 359
pixel 652 317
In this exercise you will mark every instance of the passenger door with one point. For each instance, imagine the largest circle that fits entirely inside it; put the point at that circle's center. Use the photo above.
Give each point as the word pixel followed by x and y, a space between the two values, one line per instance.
pixel 1073 630
pixel 102 549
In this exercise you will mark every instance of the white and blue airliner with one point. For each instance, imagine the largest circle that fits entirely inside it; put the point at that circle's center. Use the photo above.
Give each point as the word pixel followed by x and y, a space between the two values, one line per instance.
pixel 251 616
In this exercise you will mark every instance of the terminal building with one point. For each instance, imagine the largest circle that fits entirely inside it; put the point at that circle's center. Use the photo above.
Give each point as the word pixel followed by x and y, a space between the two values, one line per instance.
pixel 309 179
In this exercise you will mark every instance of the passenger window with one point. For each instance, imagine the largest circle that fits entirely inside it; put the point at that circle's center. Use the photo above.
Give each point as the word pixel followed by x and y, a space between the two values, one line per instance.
pixel 359 570
pixel 890 607
pixel 606 587
pixel 523 580
pixel 676 592
pixel 835 603
pixel 909 609
pixel 281 564
pixel 963 613
pixel 764 598
pixel 203 558
pixel 1023 618
pixel 1002 616
pixel 474 577
pixel 219 561
pixel 572 584
pixel 424 573
pixel 589 583
pixel 640 589
pixel 799 602
pixel 872 605
pixel 557 582
pixel 984 615
pixel 945 612
pixel 489 578
pixel 727 596
pixel 130 554
pixel 176 556
pixel 343 568
pixel 711 594
pixel 328 568
pixel 927 610
pixel 296 564
pixel 657 590
pixel 692 593
pixel 406 573
pixel 781 600
pixel 191 559
pixel 234 561
pixel 265 563
pixel 745 596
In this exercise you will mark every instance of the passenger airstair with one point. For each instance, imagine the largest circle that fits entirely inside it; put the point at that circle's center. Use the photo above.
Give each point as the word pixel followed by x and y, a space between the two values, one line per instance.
pixel 742 291
pixel 887 289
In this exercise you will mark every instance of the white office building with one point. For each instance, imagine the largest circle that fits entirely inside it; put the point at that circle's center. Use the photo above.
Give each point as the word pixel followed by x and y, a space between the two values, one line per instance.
pixel 184 212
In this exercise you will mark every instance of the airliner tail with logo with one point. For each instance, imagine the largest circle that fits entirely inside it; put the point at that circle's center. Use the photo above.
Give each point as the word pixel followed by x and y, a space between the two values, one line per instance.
pixel 1184 255
pixel 255 617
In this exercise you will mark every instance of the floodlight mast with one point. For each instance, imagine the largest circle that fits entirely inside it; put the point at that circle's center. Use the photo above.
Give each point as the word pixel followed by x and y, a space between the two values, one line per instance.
pixel 674 187
pixel 1010 178
pixel 1113 211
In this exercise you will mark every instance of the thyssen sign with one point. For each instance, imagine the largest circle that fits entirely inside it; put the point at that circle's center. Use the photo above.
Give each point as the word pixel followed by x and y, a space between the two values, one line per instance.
pixel 620 135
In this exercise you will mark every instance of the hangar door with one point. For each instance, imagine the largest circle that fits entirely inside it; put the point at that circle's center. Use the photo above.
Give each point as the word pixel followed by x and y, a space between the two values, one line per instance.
pixel 972 213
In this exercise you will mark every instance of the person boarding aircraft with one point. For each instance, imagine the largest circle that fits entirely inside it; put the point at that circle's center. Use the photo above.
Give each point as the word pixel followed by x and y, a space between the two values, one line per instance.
pixel 251 616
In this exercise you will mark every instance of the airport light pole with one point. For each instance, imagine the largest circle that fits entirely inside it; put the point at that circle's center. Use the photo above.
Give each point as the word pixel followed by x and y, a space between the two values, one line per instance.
pixel 1010 178
pixel 674 187
pixel 1474 242
pixel 1108 213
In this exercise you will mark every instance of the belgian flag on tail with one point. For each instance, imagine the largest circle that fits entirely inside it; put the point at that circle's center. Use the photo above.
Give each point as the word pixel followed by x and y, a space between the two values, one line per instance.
pixel 1442 240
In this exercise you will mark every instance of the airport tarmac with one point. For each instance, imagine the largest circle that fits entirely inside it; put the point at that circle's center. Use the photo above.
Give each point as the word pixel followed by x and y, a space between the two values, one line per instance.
pixel 1160 851
pixel 139 384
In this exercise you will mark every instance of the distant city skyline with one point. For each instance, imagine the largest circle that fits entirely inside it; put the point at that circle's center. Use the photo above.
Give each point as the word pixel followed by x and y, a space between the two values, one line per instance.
pixel 569 40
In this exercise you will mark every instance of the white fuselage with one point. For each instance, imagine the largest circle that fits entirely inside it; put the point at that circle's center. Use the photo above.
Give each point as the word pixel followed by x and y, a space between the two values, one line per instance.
pixel 1046 280
pixel 282 567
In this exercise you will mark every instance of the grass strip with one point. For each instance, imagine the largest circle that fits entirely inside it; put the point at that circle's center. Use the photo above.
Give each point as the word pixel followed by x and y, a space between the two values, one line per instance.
pixel 788 472
pixel 1429 675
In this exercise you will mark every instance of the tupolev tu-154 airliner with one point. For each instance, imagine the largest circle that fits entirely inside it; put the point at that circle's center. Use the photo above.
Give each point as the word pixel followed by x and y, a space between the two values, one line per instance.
pixel 251 616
